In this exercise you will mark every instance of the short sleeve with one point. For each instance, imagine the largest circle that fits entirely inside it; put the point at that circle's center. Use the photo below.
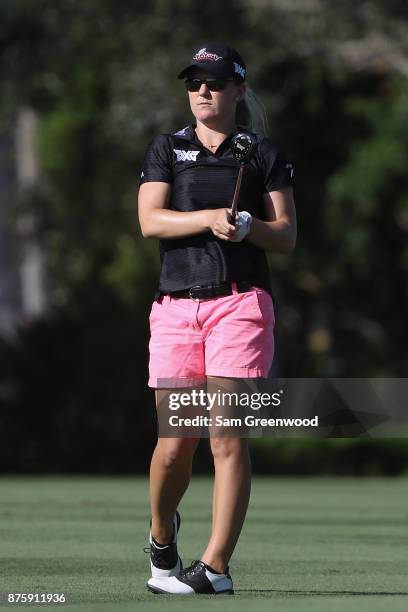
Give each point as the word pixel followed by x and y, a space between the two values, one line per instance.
pixel 158 161
pixel 277 169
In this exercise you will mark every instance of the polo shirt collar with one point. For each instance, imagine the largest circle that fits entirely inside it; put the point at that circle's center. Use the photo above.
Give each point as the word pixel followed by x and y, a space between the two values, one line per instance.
pixel 188 133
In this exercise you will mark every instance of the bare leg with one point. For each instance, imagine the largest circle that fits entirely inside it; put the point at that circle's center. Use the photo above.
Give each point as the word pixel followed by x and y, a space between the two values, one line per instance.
pixel 232 486
pixel 170 472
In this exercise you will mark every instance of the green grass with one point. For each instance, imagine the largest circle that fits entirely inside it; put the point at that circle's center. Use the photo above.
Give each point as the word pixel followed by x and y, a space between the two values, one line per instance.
pixel 308 544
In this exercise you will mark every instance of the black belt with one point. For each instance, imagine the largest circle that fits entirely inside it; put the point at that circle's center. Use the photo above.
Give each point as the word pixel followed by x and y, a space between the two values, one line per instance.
pixel 206 292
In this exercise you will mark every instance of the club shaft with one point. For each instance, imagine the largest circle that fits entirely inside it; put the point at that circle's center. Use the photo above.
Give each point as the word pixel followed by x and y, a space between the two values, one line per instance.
pixel 235 199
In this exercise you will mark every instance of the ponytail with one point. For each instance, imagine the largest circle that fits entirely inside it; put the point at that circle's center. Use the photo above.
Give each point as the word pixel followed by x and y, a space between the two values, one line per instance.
pixel 251 114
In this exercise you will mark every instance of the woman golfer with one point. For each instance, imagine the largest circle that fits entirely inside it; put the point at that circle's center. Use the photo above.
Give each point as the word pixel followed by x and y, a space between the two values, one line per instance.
pixel 212 319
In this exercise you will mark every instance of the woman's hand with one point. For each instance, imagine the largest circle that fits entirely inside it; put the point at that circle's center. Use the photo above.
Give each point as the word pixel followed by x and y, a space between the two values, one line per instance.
pixel 220 224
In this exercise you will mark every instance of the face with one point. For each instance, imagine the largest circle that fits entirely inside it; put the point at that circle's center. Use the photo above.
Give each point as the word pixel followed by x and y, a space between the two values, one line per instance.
pixel 214 106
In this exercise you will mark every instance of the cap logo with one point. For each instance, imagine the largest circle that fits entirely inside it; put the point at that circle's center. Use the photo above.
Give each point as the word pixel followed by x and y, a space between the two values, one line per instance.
pixel 239 69
pixel 203 56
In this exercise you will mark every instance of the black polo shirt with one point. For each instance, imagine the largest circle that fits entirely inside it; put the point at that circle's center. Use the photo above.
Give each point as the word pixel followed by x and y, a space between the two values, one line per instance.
pixel 200 180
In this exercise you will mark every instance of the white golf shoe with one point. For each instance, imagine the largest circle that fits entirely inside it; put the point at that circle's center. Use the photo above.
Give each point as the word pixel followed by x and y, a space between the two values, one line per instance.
pixel 197 578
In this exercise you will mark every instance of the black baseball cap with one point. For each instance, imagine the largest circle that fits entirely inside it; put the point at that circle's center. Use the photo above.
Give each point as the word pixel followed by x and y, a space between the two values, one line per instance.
pixel 219 60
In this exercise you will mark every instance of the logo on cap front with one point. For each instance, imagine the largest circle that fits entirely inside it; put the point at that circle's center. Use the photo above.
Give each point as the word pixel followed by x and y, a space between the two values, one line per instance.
pixel 203 56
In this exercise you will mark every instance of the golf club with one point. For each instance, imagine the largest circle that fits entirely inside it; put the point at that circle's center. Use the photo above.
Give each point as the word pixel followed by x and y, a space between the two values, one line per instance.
pixel 242 147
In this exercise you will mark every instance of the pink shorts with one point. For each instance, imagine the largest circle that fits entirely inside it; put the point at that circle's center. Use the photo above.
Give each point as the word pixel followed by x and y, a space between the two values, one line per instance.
pixel 229 336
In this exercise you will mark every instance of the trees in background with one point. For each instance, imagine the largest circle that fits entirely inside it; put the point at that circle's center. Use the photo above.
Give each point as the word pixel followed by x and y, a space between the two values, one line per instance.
pixel 101 76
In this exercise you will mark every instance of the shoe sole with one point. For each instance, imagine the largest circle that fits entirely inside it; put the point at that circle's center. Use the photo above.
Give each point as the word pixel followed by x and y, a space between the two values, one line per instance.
pixel 158 591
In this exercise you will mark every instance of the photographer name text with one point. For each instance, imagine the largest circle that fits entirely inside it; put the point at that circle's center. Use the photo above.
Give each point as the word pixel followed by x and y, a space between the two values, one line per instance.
pixel 248 421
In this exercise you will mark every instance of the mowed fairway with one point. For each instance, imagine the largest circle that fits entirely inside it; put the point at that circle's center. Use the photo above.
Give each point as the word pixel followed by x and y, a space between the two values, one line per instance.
pixel 308 544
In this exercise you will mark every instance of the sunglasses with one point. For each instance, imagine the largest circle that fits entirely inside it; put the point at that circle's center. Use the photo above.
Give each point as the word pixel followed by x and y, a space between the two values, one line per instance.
pixel 214 84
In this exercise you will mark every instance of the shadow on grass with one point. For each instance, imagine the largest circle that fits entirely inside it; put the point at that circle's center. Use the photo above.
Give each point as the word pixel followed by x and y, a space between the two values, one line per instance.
pixel 288 591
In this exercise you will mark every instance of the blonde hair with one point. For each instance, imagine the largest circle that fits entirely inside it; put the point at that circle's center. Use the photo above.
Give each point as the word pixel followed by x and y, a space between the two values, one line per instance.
pixel 251 114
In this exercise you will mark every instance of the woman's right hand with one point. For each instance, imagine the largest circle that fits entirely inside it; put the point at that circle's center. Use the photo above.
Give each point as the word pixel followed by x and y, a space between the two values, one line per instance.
pixel 220 224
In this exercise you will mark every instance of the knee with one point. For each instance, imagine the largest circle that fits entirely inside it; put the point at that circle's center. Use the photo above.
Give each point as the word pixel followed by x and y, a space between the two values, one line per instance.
pixel 226 447
pixel 173 451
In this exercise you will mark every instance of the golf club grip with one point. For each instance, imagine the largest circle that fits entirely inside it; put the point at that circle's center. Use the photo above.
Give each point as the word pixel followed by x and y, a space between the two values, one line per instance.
pixel 234 204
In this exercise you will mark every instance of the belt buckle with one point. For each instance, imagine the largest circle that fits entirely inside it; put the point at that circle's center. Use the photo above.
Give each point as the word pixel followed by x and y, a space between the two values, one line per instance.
pixel 195 299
